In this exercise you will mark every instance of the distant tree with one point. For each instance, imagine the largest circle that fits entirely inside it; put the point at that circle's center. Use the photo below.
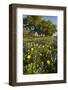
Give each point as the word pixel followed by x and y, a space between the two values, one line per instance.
pixel 36 20
pixel 37 24
pixel 48 28
pixel 26 31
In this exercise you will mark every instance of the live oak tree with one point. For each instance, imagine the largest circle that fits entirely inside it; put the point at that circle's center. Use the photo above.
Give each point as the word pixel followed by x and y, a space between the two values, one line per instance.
pixel 40 25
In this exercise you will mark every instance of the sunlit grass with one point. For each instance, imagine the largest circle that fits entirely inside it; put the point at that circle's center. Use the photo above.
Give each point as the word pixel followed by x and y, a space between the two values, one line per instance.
pixel 35 38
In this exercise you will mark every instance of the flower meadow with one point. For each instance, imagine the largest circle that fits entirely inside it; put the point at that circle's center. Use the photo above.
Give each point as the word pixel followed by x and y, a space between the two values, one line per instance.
pixel 39 57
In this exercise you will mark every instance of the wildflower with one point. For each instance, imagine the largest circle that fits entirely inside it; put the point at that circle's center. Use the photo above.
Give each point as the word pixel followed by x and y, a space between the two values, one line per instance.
pixel 32 49
pixel 28 56
pixel 43 46
pixel 36 44
pixel 50 47
pixel 28 50
pixel 48 62
pixel 40 54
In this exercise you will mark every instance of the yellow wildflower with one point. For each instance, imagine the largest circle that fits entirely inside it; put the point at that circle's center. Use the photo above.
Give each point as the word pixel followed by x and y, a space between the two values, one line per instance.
pixel 28 56
pixel 40 54
pixel 36 44
pixel 43 46
pixel 32 49
pixel 48 62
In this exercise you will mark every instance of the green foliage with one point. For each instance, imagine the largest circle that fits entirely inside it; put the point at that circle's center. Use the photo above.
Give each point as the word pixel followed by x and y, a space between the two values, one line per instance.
pixel 48 28
pixel 26 31
pixel 34 19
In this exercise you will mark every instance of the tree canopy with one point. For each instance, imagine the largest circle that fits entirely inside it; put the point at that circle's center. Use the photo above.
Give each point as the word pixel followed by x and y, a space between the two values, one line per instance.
pixel 40 25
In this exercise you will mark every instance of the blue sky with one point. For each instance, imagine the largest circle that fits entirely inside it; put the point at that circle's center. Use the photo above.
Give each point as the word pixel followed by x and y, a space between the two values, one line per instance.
pixel 53 19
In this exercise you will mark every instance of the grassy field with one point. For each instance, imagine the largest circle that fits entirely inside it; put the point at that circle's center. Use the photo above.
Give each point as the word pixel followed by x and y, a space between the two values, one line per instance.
pixel 35 38
pixel 40 55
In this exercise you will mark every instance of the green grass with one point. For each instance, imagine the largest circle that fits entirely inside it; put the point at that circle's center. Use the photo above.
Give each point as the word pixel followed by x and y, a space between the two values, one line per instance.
pixel 35 38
